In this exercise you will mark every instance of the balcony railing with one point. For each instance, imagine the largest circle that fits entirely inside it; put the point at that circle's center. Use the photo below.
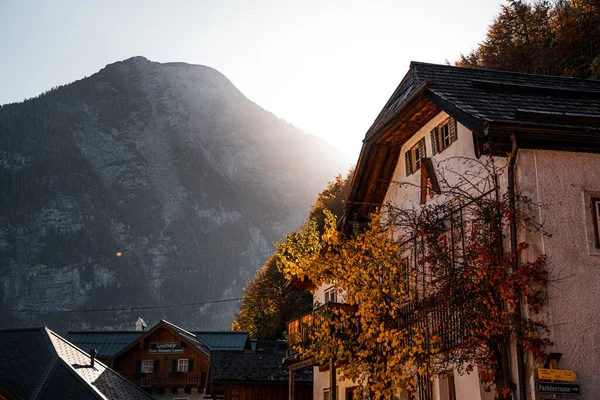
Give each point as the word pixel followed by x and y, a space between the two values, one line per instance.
pixel 443 319
pixel 157 379
pixel 299 329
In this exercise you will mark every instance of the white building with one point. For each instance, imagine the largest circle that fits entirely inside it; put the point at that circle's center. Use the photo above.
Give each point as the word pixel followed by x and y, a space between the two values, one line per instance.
pixel 545 133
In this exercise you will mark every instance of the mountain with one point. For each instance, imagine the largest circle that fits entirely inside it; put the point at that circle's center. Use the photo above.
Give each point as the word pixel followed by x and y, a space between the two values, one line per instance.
pixel 142 185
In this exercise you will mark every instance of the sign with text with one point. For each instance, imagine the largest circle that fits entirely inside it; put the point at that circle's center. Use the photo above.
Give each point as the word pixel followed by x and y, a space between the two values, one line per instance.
pixel 556 374
pixel 558 388
pixel 165 348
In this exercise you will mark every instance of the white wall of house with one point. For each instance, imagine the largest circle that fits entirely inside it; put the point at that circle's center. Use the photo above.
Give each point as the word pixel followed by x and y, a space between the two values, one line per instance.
pixel 562 183
pixel 321 383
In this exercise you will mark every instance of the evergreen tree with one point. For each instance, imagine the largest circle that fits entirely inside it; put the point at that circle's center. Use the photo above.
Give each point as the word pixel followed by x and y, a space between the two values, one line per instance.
pixel 561 38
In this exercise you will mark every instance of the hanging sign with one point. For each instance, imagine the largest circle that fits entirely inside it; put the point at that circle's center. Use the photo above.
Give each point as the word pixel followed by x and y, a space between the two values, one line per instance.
pixel 558 388
pixel 556 374
pixel 165 348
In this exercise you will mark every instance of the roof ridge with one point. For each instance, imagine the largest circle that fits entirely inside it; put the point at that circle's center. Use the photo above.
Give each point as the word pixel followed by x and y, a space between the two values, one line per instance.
pixel 44 378
pixel 416 63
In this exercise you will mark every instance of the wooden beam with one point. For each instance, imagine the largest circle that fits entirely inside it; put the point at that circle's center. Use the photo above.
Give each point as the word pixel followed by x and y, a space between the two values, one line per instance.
pixel 292 385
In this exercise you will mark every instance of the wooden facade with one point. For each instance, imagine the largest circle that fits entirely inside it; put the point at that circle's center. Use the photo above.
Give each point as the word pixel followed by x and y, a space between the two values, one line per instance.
pixel 184 364
pixel 262 390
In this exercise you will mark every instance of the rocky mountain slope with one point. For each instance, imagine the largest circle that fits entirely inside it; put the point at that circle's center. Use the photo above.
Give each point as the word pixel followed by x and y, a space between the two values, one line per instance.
pixel 142 185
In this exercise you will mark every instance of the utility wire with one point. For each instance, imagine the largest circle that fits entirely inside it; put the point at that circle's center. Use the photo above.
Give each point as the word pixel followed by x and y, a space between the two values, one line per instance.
pixel 124 308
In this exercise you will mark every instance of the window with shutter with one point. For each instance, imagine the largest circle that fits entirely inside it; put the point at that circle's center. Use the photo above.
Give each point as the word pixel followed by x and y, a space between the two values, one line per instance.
pixel 415 154
pixel 443 136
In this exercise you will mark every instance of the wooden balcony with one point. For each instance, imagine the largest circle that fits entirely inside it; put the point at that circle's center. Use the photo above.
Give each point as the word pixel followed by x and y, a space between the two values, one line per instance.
pixel 165 379
pixel 299 329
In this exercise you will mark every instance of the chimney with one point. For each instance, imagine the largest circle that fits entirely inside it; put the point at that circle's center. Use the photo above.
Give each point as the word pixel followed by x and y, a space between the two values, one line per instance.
pixel 139 325
pixel 93 357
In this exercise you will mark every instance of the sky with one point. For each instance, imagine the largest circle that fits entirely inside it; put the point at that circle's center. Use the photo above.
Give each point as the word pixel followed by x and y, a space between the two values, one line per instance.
pixel 326 66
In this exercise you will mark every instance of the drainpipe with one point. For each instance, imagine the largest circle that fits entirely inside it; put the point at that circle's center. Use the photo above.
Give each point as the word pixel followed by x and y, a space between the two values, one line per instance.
pixel 513 247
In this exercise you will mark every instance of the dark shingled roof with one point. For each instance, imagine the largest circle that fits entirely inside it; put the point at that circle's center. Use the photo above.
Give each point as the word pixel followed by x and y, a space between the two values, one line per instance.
pixel 234 340
pixel 490 96
pixel 109 343
pixel 106 343
pixel 253 366
pixel 500 108
pixel 36 363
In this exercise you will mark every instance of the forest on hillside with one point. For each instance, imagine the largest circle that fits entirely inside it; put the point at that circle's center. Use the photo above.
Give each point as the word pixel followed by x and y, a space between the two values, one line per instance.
pixel 542 37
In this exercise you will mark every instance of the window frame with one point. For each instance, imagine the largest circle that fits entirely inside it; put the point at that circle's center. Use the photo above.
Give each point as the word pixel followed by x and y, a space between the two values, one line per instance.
pixel 183 361
pixel 444 140
pixel 595 202
pixel 144 366
pixel 330 293
pixel 415 158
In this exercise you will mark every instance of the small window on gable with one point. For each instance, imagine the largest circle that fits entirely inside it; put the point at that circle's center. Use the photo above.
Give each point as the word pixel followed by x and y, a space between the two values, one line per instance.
pixel 443 135
pixel 413 157
pixel 331 295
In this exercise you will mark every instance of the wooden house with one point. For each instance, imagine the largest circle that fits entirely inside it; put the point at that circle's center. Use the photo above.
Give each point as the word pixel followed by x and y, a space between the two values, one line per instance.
pixel 166 361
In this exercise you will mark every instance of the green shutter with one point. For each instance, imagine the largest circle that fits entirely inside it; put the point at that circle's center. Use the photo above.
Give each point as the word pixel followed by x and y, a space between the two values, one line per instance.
pixel 434 141
pixel 422 151
pixel 190 365
pixel 156 366
pixel 174 369
pixel 138 365
pixel 408 163
pixel 452 129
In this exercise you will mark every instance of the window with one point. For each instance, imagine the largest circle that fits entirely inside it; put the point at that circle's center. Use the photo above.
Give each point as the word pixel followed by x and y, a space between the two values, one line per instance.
pixel 447 387
pixel 443 135
pixel 326 395
pixel 351 393
pixel 596 220
pixel 147 366
pixel 413 157
pixel 182 365
pixel 331 295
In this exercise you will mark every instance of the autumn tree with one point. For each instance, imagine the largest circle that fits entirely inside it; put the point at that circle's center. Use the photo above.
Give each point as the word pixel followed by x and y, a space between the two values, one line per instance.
pixel 541 37
pixel 266 306
pixel 426 289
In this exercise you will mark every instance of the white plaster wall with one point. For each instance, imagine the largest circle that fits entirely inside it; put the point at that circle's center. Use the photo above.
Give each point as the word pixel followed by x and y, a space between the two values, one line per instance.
pixel 404 192
pixel 559 181
pixel 469 388
pixel 321 382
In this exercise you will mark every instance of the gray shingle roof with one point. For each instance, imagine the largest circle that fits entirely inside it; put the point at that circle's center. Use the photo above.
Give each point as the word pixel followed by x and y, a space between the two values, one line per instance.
pixel 106 343
pixel 37 363
pixel 225 340
pixel 252 366
pixel 491 96
pixel 109 343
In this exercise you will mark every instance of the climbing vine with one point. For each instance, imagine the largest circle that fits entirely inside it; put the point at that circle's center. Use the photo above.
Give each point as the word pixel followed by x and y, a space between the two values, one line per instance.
pixel 428 288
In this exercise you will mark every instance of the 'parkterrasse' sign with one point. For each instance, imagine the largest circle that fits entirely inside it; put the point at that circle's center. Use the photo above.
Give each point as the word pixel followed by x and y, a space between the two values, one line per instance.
pixel 165 348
